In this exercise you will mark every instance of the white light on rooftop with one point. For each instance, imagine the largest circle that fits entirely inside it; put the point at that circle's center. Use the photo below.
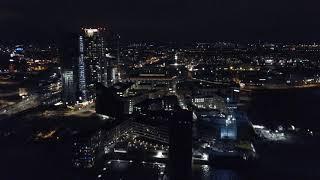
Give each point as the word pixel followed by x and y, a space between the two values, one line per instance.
pixel 90 32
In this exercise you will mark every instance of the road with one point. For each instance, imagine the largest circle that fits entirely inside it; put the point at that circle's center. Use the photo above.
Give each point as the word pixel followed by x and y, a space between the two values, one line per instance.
pixel 30 102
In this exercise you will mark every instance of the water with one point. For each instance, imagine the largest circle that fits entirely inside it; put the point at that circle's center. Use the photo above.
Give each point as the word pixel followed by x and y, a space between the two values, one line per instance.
pixel 298 107
pixel 288 160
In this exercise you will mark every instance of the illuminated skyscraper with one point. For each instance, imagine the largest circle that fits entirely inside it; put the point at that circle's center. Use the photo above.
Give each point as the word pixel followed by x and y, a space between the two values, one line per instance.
pixel 93 45
pixel 82 73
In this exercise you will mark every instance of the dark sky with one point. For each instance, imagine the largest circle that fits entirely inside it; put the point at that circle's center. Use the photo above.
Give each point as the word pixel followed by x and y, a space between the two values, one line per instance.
pixel 188 20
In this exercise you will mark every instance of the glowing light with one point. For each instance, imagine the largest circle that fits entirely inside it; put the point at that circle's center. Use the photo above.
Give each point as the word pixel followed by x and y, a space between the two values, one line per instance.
pixel 205 156
pixel 159 155
pixel 258 127
pixel 90 32
pixel 120 151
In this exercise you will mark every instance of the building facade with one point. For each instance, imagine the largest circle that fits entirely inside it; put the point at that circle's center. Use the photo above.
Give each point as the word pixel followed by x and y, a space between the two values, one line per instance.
pixel 93 53
pixel 68 87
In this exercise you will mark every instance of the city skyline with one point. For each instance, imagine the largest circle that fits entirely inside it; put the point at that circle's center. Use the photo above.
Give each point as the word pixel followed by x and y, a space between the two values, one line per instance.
pixel 170 110
pixel 166 90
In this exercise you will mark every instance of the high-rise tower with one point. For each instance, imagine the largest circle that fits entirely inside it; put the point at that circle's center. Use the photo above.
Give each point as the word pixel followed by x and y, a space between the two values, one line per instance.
pixel 82 72
pixel 69 54
pixel 94 56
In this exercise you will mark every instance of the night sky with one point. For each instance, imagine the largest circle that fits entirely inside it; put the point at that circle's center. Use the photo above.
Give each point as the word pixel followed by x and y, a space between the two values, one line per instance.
pixel 186 20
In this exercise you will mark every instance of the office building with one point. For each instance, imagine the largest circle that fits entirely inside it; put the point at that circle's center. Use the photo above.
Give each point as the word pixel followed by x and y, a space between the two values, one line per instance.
pixel 82 72
pixel 69 53
pixel 180 140
pixel 93 53
pixel 85 147
pixel 68 87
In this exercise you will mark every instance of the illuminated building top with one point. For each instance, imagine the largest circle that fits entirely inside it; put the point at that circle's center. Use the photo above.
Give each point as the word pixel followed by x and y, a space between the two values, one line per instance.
pixel 91 31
